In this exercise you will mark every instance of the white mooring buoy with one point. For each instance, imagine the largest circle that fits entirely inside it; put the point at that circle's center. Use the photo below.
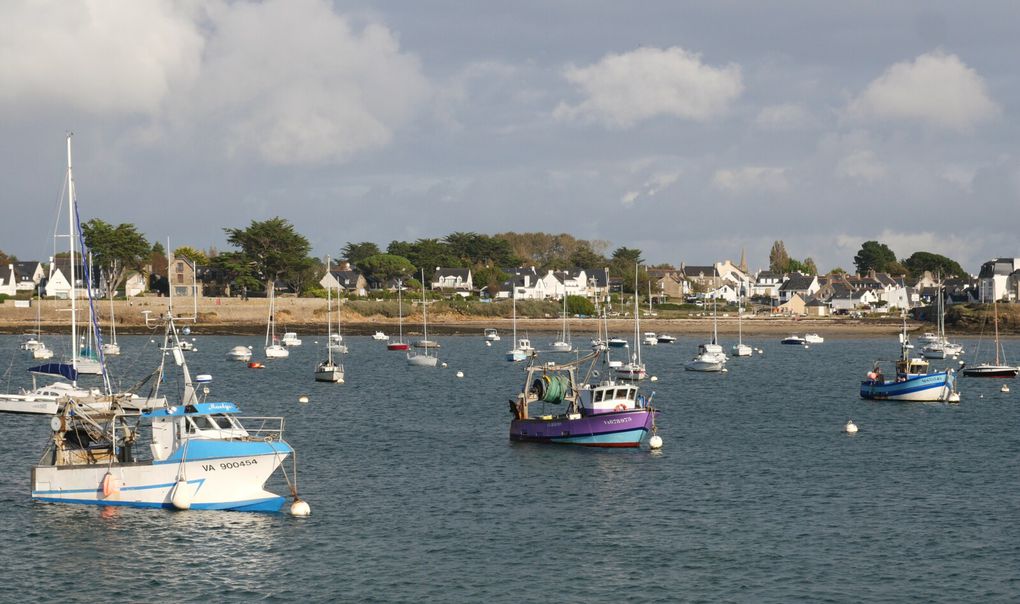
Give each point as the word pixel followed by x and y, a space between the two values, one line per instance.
pixel 655 442
pixel 444 365
pixel 460 374
pixel 654 378
pixel 725 370
pixel 1005 388
pixel 300 508
pixel 850 428
pixel 303 398
pixel 488 343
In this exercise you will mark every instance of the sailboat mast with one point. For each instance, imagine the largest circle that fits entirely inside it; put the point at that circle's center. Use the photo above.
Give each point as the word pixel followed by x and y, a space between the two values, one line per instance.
pixel 329 319
pixel 995 314
pixel 400 311
pixel 424 313
pixel 637 320
pixel 70 237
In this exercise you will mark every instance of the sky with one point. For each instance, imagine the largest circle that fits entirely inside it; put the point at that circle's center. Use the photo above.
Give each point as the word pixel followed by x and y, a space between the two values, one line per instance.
pixel 690 130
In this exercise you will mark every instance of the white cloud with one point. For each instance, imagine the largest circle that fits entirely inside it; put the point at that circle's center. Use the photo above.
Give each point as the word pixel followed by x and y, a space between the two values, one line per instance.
pixel 936 89
pixel 751 179
pixel 100 57
pixel 623 89
pixel 861 165
pixel 290 82
pixel 298 85
pixel 651 187
pixel 787 116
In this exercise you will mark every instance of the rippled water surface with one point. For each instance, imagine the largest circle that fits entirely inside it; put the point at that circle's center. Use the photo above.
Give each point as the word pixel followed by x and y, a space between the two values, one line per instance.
pixel 417 494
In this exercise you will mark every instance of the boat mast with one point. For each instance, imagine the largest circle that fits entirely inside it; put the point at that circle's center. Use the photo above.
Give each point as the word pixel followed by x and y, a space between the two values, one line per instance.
pixel 70 237
pixel 329 320
pixel 400 311
pixel 424 313
pixel 995 314
pixel 637 320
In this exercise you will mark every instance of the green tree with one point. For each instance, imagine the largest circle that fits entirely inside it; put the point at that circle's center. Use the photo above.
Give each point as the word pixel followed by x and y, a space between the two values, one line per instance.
pixel 875 256
pixel 238 271
pixel 384 267
pixel 426 254
pixel 272 249
pixel 489 277
pixel 356 252
pixel 621 266
pixel 810 268
pixel 779 260
pixel 918 262
pixel 579 305
pixel 6 259
pixel 196 256
pixel 157 248
pixel 585 257
pixel 115 250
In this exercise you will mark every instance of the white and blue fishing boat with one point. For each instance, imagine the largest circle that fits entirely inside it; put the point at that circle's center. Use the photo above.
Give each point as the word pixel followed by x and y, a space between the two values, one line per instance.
pixel 194 454
pixel 913 380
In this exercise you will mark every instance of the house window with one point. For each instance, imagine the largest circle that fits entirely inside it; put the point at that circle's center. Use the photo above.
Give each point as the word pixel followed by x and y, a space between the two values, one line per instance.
pixel 180 278
pixel 181 291
pixel 180 267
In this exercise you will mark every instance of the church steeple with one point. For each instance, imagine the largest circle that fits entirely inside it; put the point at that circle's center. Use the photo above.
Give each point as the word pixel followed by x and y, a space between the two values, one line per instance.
pixel 743 261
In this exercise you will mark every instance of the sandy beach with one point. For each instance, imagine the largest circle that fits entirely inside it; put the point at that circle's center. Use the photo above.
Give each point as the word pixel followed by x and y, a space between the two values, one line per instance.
pixel 235 316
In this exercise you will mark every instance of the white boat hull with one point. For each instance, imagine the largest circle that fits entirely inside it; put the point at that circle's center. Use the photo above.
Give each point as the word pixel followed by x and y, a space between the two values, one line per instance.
pixel 276 352
pixel 329 373
pixel 223 483
pixel 562 347
pixel 421 360
pixel 742 350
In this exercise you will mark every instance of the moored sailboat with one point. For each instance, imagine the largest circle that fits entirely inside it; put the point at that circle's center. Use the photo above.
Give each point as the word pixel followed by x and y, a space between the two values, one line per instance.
pixel 999 368
pixel 400 344
pixel 423 359
pixel 273 348
pixel 329 370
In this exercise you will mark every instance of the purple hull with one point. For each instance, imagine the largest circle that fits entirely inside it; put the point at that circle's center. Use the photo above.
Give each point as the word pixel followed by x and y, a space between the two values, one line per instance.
pixel 615 429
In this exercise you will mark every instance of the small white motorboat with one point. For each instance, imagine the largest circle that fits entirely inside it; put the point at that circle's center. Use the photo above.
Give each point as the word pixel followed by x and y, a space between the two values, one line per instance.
pixel 380 336
pixel 239 353
pixel 813 338
pixel 290 339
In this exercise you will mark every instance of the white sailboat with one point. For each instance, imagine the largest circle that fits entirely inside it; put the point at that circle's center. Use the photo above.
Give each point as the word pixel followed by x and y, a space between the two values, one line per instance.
pixel 400 344
pixel 563 344
pixel 40 351
pixel 522 347
pixel 423 359
pixel 274 349
pixel 112 347
pixel 740 349
pixel 329 370
pixel 635 369
pixel 710 356
pixel 939 346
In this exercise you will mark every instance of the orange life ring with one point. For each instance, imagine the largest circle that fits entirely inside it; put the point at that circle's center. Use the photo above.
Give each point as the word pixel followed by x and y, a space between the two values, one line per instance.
pixel 620 407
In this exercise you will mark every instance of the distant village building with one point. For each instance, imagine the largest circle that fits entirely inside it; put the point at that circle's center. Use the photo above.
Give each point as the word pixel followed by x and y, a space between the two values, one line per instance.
pixel 341 277
pixel 183 278
pixel 800 285
pixel 452 279
pixel 998 280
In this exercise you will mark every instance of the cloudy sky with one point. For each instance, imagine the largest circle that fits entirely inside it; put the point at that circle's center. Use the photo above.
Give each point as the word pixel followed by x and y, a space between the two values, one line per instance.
pixel 687 129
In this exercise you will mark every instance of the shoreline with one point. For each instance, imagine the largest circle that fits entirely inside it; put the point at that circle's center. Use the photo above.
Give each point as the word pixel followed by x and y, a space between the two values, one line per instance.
pixel 223 316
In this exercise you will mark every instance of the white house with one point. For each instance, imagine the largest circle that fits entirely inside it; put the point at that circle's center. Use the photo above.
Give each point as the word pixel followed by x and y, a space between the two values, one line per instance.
pixel 993 280
pixel 726 291
pixel 804 285
pixel 8 281
pixel 29 275
pixel 767 284
pixel 134 284
pixel 574 281
pixel 456 279
pixel 731 273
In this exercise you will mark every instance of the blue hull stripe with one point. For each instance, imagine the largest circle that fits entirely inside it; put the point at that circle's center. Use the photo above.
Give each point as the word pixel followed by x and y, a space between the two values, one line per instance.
pixel 269 504
pixel 198 481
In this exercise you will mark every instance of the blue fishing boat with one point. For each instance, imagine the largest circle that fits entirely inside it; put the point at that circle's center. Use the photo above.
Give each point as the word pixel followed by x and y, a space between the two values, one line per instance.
pixel 913 380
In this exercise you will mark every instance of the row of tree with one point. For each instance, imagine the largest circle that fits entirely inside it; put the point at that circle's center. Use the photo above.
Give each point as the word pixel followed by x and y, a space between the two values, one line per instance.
pixel 273 251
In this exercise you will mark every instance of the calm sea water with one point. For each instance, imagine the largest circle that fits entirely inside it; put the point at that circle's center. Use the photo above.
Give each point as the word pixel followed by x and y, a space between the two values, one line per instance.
pixel 417 494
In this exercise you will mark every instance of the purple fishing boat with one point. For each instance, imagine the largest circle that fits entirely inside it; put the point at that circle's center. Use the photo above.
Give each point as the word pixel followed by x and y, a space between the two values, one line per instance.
pixel 602 414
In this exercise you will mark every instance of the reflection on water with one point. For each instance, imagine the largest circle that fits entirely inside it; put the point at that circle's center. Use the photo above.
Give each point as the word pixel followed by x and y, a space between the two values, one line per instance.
pixel 417 493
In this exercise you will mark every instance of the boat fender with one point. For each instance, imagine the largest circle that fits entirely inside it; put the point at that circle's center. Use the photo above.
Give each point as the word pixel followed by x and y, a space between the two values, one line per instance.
pixel 110 485
pixel 181 497
pixel 620 407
